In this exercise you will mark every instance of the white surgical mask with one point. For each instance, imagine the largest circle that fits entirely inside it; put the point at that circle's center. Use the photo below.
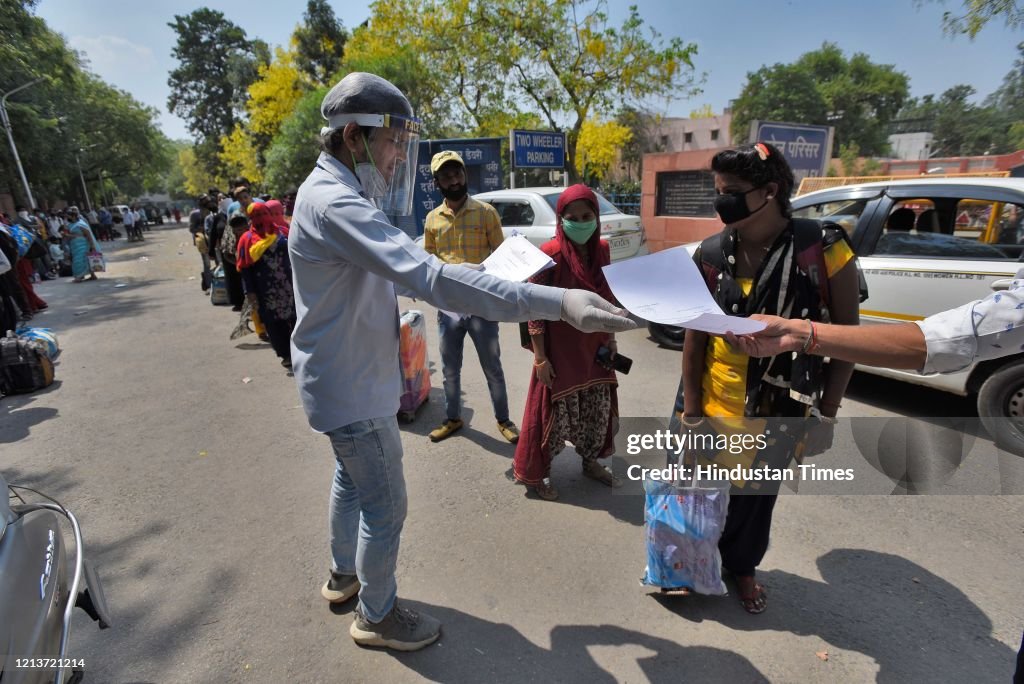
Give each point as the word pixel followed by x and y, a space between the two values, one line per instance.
pixel 375 187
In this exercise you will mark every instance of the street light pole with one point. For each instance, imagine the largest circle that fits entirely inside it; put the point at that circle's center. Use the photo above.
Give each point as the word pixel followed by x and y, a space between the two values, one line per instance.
pixel 10 138
pixel 88 203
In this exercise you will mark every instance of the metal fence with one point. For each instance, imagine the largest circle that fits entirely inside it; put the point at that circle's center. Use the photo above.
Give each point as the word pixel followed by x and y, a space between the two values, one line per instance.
pixel 626 202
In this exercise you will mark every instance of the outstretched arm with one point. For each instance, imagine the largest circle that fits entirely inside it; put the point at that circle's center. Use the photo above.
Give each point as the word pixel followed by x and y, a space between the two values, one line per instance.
pixel 900 345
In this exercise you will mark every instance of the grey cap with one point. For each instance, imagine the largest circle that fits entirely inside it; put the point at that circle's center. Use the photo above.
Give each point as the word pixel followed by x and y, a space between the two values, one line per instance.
pixel 363 93
pixel 72 210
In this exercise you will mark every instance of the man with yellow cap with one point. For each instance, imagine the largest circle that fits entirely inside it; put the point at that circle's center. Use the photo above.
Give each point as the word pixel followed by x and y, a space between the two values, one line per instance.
pixel 465 231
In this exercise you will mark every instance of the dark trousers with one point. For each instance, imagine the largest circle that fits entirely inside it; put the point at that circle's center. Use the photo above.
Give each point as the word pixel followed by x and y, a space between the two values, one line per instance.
pixel 10 286
pixel 280 334
pixel 1018 676
pixel 747 528
pixel 234 282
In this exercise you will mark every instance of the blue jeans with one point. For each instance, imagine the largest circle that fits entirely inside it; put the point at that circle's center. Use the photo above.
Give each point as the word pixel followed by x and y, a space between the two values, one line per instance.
pixel 485 338
pixel 368 506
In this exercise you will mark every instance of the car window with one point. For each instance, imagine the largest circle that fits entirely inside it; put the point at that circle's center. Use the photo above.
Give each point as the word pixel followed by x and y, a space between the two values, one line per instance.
pixel 513 212
pixel 954 228
pixel 845 213
pixel 603 205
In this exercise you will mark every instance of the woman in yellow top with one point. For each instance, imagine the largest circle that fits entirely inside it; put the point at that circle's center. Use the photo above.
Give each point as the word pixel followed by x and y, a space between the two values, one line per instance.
pixel 765 262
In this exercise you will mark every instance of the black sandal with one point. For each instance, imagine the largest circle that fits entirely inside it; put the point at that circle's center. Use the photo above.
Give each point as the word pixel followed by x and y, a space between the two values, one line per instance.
pixel 755 600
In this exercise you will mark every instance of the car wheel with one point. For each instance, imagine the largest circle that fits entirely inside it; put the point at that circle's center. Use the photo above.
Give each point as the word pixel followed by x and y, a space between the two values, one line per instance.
pixel 667 335
pixel 1001 406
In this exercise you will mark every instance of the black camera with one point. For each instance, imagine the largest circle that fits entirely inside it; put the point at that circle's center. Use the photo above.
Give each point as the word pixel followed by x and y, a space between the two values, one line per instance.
pixel 619 363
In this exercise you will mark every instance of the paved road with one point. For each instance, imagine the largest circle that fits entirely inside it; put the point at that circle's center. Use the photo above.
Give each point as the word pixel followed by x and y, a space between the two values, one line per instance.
pixel 204 497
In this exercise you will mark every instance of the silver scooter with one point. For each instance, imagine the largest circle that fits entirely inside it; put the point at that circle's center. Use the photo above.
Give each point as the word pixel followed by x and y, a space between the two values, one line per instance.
pixel 36 603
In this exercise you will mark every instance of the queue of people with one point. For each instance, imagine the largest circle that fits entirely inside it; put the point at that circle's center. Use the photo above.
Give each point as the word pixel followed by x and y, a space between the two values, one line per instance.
pixel 246 239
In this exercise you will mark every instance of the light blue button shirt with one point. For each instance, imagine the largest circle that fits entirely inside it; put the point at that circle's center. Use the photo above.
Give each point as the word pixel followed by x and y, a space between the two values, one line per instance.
pixel 977 331
pixel 347 261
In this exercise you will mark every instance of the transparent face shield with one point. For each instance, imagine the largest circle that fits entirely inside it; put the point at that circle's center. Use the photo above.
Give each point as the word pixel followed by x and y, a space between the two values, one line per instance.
pixel 386 166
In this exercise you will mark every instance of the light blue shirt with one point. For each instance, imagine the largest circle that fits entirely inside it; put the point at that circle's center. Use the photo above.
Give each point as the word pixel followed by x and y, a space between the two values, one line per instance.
pixel 977 331
pixel 347 260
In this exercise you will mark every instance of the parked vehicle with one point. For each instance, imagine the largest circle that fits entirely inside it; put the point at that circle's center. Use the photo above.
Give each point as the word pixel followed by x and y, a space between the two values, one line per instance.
pixel 956 240
pixel 531 212
pixel 36 601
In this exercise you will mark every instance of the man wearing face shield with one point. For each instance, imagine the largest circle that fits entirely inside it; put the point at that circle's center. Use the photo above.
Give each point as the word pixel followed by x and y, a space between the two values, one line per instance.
pixel 348 262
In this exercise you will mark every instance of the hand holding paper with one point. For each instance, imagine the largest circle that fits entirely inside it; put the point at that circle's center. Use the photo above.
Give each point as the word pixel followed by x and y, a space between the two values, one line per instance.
pixel 667 287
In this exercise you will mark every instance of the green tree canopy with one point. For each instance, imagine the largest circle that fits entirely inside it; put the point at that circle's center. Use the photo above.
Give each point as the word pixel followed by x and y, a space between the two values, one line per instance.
pixel 70 117
pixel 295 148
pixel 978 13
pixel 319 43
pixel 217 63
pixel 823 87
pixel 562 59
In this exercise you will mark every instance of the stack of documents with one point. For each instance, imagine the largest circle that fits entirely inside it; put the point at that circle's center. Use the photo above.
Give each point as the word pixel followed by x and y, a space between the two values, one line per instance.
pixel 516 259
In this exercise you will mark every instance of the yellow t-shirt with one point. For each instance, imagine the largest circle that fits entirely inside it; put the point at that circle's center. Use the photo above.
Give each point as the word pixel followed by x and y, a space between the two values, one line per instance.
pixel 724 383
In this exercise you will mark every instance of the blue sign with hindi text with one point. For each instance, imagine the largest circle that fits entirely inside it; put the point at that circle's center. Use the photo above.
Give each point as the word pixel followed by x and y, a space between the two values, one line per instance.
pixel 808 149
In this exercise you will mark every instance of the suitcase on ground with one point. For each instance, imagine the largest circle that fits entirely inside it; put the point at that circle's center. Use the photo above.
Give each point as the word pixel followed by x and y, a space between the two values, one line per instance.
pixel 23 366
pixel 412 354
pixel 219 288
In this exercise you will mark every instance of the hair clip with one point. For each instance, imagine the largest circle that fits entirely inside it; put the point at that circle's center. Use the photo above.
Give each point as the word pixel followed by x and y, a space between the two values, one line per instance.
pixel 762 151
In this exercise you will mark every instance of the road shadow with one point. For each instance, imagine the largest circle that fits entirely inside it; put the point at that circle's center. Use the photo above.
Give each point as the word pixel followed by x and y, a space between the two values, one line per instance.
pixel 915 625
pixel 96 302
pixel 52 481
pixel 575 489
pixel 17 417
pixel 922 402
pixel 472 649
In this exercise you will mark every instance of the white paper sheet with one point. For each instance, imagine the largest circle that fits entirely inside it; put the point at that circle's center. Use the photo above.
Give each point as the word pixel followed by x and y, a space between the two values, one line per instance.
pixel 667 287
pixel 516 259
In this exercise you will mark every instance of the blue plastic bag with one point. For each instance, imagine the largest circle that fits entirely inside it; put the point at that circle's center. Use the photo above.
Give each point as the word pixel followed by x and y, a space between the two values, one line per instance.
pixel 43 338
pixel 683 525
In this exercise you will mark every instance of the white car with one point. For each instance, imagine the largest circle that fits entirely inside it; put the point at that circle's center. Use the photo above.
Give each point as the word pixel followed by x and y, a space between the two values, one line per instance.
pixel 531 212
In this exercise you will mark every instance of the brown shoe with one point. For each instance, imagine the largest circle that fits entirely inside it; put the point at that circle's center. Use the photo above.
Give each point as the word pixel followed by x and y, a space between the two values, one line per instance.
pixel 509 431
pixel 447 429
pixel 546 490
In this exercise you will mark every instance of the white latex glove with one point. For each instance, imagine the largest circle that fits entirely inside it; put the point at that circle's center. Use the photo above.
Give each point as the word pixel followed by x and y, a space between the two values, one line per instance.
pixel 589 312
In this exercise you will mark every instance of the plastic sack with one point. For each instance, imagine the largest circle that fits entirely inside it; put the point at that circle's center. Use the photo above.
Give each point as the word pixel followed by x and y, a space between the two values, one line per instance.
pixel 43 339
pixel 683 525
pixel 412 353
pixel 219 288
pixel 97 263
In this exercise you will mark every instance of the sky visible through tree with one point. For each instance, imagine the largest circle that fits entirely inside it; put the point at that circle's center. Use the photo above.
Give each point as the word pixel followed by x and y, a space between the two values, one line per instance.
pixel 129 44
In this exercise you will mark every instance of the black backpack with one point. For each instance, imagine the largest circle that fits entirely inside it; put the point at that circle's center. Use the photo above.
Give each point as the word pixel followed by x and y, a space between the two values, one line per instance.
pixel 23 367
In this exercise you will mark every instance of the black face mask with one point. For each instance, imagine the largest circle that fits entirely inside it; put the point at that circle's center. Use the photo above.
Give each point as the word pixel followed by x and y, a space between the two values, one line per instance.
pixel 455 193
pixel 732 207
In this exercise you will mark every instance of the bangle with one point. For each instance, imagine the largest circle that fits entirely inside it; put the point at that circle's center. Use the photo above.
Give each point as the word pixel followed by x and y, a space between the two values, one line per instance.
pixel 828 420
pixel 809 341
pixel 539 365
pixel 700 419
